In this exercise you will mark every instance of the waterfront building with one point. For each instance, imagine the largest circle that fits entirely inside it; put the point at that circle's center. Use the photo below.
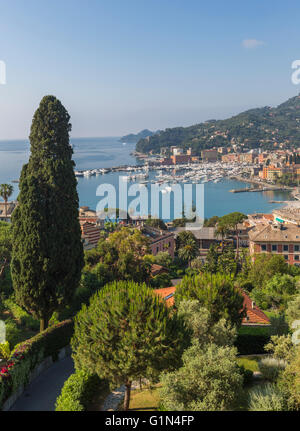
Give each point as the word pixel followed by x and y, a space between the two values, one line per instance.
pixel 271 173
pixel 287 215
pixel 230 158
pixel 209 155
pixel 180 158
pixel 176 151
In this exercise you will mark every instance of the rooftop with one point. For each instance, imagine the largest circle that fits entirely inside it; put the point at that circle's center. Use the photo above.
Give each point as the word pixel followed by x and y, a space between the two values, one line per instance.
pixel 275 232
pixel 255 316
pixel 291 214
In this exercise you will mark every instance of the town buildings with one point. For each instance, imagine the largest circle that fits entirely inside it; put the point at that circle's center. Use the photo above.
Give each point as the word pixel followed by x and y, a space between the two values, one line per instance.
pixel 209 155
pixel 159 240
pixel 276 238
pixel 6 210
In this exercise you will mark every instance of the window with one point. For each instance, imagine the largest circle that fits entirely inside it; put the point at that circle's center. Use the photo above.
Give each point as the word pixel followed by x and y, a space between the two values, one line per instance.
pixel 274 247
pixel 263 247
pixel 296 257
pixel 296 247
pixel 286 256
pixel 285 248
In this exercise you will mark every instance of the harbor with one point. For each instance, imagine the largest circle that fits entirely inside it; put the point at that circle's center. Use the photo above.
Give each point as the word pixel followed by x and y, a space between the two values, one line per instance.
pixel 105 160
pixel 196 173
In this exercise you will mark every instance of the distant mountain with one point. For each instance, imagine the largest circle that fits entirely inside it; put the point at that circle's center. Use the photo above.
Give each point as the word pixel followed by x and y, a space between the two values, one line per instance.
pixel 255 128
pixel 135 138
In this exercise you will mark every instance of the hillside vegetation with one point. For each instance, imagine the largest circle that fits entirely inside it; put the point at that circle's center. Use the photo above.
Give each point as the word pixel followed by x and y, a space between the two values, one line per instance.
pixel 261 127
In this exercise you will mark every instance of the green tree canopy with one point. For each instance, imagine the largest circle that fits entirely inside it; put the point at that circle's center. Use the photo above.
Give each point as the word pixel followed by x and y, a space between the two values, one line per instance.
pixel 47 249
pixel 212 258
pixel 189 250
pixel 5 246
pixel 120 256
pixel 205 331
pixel 157 223
pixel 127 333
pixel 183 238
pixel 276 292
pixel 215 292
pixel 264 267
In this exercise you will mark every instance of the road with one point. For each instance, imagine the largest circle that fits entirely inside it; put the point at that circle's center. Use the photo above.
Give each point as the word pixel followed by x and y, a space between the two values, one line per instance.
pixel 41 394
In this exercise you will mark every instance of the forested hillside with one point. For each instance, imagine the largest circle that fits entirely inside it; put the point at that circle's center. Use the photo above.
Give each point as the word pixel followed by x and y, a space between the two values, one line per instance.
pixel 261 127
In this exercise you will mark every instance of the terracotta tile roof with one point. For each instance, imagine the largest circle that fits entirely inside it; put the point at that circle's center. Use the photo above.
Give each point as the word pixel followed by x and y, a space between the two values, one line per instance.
pixel 255 316
pixel 269 217
pixel 269 232
pixel 167 294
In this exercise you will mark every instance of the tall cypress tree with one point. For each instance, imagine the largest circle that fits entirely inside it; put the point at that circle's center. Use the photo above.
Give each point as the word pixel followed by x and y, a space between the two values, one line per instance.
pixel 47 255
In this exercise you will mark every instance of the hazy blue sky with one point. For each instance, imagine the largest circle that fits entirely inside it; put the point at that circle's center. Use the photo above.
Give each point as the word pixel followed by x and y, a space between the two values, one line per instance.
pixel 123 65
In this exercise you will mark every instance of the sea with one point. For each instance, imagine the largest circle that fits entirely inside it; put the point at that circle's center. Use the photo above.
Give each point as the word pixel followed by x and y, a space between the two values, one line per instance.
pixel 93 153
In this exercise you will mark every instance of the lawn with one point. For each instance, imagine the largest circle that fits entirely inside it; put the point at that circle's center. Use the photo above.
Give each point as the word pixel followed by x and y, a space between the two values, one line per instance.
pixel 148 399
pixel 145 400
pixel 16 331
pixel 249 362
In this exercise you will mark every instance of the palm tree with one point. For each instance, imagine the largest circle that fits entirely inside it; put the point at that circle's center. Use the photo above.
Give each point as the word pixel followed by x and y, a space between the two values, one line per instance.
pixel 6 190
pixel 232 221
pixel 188 251
pixel 222 230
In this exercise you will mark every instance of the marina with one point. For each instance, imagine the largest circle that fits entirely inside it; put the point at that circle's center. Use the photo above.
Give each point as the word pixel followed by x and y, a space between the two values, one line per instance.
pixel 105 160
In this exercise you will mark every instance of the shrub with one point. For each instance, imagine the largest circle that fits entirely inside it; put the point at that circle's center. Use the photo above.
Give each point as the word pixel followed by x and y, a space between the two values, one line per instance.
pixel 22 316
pixel 281 347
pixel 13 334
pixel 30 353
pixel 209 380
pixel 4 350
pixel 271 367
pixel 79 391
pixel 293 310
pixel 199 320
pixel 289 382
pixel 266 398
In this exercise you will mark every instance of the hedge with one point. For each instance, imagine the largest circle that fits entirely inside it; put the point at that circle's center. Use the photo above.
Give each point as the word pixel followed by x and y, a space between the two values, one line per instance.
pixel 25 319
pixel 251 344
pixel 79 391
pixel 27 355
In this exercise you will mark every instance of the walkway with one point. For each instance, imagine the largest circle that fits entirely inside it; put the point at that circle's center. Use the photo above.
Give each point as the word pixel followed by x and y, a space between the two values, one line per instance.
pixel 42 393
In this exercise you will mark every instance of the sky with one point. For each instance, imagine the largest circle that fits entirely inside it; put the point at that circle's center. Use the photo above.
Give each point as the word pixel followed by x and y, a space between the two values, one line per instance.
pixel 120 66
